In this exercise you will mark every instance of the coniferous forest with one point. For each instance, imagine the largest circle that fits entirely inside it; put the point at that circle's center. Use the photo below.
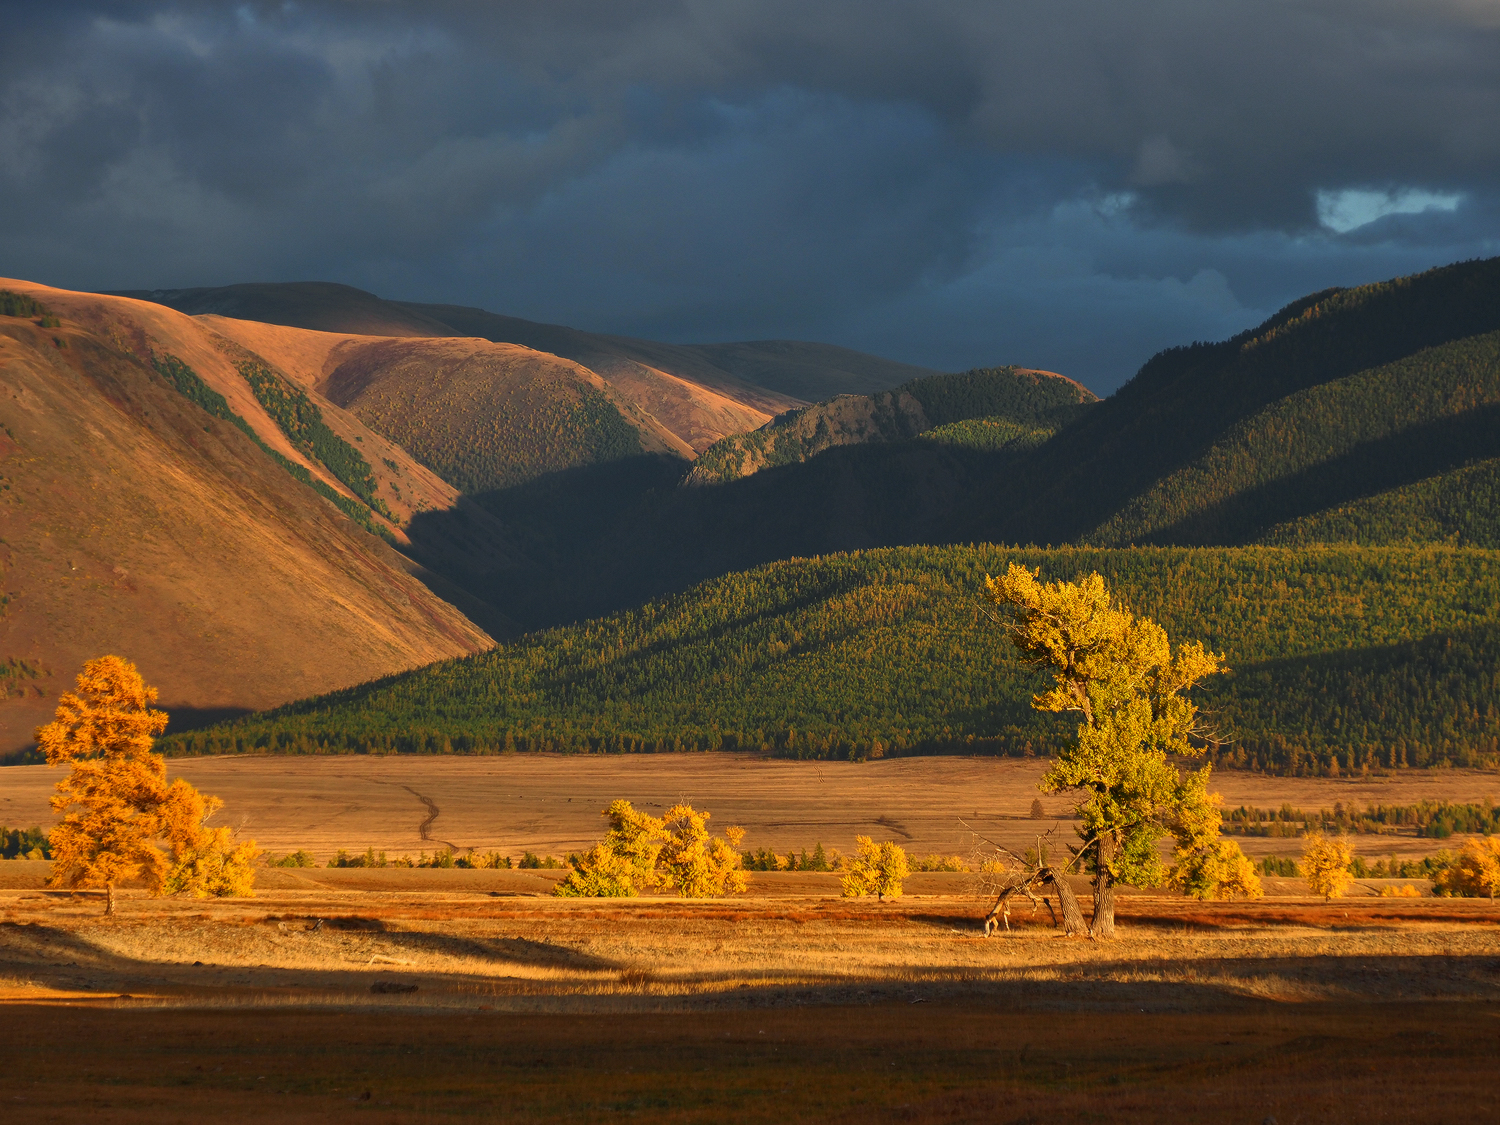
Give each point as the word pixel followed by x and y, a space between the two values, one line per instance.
pixel 1340 659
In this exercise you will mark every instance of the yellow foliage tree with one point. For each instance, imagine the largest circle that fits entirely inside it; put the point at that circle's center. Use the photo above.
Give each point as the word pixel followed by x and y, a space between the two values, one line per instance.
pixel 1474 871
pixel 1325 864
pixel 1127 681
pixel 876 870
pixel 205 861
pixel 115 802
pixel 694 863
pixel 641 851
pixel 1206 865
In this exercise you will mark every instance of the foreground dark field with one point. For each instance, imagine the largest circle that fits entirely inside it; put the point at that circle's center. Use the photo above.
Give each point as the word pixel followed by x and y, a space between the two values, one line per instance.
pixel 958 1060
pixel 393 1001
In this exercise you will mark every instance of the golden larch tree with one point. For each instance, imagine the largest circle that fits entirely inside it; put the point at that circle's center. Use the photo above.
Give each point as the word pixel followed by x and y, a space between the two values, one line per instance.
pixel 675 851
pixel 120 818
pixel 877 869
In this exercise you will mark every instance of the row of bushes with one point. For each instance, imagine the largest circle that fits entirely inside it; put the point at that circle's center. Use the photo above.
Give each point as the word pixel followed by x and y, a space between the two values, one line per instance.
pixel 447 858
pixel 24 843
pixel 1435 820
pixel 1472 872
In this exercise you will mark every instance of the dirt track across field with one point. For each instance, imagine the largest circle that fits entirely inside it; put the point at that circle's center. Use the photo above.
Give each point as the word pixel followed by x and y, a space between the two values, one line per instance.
pixel 551 804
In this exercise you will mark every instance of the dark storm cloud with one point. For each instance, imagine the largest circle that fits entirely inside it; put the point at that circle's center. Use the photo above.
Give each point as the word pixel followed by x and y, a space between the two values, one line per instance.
pixel 1065 185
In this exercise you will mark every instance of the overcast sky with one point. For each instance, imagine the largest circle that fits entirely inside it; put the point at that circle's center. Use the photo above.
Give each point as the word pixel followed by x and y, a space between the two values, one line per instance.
pixel 1069 185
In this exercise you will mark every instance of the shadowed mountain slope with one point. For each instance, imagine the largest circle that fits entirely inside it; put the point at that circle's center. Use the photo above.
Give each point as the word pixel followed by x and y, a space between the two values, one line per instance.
pixel 1347 415
pixel 1387 427
pixel 140 521
pixel 1200 424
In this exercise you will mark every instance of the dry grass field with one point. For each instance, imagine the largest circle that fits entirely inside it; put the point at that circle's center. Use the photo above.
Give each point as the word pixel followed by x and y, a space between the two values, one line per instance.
pixel 420 995
pixel 396 996
pixel 551 804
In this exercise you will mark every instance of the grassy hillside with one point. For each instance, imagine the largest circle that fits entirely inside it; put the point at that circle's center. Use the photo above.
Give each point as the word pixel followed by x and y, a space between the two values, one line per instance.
pixel 143 520
pixel 694 394
pixel 1035 400
pixel 1353 656
pixel 483 417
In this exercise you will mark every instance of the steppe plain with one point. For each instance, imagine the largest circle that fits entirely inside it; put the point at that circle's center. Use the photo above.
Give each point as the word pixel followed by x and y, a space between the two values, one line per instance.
pixel 435 995
pixel 549 803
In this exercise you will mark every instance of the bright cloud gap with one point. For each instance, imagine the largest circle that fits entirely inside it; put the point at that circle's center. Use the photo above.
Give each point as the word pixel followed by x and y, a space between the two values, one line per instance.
pixel 1352 208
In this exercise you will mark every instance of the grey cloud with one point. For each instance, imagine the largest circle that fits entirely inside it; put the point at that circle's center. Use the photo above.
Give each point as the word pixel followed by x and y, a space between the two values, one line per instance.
pixel 1069 185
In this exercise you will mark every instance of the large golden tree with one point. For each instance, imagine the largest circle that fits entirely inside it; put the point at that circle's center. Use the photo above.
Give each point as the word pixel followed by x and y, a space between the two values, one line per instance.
pixel 121 819
pixel 1127 681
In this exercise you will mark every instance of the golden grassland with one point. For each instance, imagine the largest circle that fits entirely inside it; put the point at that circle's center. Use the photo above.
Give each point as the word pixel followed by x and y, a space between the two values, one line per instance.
pixel 551 803
pixel 417 995
pixel 422 996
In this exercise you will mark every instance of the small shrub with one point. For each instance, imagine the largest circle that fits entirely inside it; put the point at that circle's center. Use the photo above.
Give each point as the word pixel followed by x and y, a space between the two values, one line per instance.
pixel 942 863
pixel 1280 866
pixel 299 858
pixel 18 304
pixel 1037 811
pixel 1405 890
pixel 370 859
pixel 762 859
pixel 489 861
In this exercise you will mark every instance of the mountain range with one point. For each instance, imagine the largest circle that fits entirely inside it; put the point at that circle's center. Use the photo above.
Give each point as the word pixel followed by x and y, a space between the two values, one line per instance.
pixel 656 530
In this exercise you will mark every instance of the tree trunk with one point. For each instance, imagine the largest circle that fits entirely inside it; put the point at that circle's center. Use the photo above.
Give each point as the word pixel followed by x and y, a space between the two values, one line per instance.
pixel 109 898
pixel 1072 915
pixel 1103 924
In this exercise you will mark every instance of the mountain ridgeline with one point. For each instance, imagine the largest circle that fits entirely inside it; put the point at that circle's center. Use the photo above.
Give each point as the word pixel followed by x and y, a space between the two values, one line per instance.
pixel 1317 497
